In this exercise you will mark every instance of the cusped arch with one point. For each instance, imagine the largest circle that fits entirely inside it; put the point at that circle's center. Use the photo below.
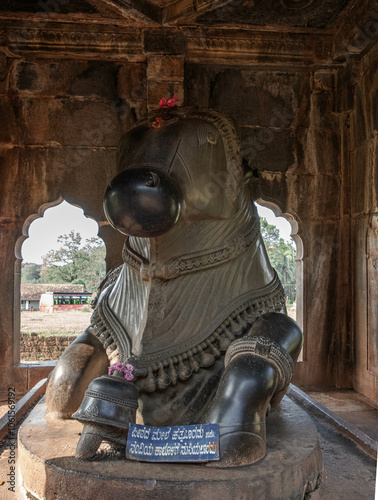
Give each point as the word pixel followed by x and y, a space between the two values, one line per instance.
pixel 28 222
pixel 276 209
pixel 18 261
pixel 40 213
pixel 300 299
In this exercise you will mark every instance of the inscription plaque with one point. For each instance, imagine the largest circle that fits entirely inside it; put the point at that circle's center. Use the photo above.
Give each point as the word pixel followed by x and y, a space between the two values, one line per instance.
pixel 181 443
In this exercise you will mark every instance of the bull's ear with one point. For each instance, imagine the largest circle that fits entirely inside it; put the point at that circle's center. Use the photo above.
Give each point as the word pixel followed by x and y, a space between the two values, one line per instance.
pixel 249 174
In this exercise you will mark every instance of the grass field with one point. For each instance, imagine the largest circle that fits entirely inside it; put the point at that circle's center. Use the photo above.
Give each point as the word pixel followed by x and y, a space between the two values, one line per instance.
pixel 58 323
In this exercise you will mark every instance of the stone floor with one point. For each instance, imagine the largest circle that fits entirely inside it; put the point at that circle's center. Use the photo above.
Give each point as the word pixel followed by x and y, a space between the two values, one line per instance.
pixel 350 473
pixel 352 407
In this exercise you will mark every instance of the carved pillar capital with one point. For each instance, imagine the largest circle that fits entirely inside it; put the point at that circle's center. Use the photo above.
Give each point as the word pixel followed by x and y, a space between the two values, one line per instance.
pixel 323 81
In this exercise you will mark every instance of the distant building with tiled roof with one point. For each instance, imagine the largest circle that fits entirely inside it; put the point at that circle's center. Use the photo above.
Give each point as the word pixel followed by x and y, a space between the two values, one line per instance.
pixel 64 295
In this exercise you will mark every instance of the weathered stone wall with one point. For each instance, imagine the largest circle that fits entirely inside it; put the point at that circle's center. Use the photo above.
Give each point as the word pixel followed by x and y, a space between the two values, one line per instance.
pixel 43 348
pixel 364 226
pixel 62 121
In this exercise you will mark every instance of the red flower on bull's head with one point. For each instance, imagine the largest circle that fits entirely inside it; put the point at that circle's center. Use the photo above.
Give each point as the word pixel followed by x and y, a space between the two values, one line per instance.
pixel 164 106
pixel 168 103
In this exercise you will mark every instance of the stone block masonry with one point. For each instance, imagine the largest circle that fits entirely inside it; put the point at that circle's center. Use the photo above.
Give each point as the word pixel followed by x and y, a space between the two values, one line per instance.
pixel 36 347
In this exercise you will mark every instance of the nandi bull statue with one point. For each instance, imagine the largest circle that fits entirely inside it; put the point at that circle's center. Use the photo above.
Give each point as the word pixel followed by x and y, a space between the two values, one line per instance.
pixel 196 308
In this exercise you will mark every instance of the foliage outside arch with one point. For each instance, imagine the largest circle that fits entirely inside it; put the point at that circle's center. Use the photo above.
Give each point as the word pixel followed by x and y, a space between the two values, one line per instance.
pixel 282 257
pixel 286 257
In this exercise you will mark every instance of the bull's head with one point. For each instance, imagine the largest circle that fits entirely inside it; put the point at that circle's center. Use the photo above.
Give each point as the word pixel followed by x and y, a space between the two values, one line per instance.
pixel 189 168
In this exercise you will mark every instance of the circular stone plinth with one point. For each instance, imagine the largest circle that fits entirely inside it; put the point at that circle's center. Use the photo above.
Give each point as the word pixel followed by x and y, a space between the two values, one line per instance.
pixel 48 469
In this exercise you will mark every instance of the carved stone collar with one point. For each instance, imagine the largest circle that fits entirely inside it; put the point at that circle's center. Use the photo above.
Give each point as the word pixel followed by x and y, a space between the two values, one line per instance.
pixel 188 263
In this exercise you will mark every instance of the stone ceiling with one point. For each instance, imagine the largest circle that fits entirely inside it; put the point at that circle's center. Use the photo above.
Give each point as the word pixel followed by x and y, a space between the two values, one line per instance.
pixel 318 14
pixel 299 32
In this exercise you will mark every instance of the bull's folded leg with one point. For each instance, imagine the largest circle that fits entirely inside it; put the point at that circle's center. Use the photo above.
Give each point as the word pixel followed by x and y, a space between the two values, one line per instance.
pixel 240 407
pixel 258 371
pixel 84 360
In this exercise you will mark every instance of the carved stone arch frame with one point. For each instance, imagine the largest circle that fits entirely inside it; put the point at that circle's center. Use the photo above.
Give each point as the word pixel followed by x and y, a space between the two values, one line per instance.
pixel 299 259
pixel 17 270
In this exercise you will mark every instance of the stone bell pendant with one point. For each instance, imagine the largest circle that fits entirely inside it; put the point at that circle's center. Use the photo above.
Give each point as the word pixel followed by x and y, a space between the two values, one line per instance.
pixel 109 406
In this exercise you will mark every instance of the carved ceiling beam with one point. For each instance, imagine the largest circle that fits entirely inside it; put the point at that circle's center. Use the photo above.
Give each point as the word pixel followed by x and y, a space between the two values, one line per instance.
pixel 202 45
pixel 198 43
pixel 251 48
pixel 75 41
pixel 234 46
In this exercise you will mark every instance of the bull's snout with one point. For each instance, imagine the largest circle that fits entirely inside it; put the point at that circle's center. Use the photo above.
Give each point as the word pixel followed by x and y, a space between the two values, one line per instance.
pixel 143 202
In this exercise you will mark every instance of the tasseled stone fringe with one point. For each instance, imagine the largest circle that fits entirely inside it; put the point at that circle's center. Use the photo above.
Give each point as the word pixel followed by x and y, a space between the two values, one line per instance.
pixel 181 367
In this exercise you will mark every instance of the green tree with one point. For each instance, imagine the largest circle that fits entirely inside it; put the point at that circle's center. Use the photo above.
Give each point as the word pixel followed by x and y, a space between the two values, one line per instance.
pixel 282 257
pixel 94 273
pixel 75 262
pixel 31 273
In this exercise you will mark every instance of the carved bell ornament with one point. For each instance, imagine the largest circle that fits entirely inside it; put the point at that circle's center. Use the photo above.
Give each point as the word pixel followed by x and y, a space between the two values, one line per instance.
pixel 109 406
pixel 143 202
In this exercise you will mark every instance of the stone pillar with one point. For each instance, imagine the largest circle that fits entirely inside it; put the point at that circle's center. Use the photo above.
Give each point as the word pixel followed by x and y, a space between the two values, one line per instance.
pixel 10 374
pixel 324 224
pixel 114 241
pixel 165 78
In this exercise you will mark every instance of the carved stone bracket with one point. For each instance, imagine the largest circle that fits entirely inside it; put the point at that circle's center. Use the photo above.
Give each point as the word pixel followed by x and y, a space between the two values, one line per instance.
pixel 357 32
pixel 323 81
pixel 165 41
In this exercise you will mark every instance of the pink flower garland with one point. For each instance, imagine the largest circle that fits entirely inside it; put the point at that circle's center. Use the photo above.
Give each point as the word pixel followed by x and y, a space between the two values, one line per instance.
pixel 127 370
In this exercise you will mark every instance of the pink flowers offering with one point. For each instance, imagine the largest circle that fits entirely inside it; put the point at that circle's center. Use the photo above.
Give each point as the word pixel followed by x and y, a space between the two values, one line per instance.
pixel 168 103
pixel 127 370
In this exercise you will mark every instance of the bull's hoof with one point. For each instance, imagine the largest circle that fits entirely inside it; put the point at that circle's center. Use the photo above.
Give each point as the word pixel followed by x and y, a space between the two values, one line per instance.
pixel 87 446
pixel 239 448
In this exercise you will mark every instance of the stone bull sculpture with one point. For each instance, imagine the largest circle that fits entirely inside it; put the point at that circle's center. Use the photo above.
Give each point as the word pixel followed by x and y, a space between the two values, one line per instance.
pixel 196 307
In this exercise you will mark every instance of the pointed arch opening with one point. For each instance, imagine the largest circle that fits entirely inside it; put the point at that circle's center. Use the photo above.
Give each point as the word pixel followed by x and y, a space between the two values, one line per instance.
pixel 60 260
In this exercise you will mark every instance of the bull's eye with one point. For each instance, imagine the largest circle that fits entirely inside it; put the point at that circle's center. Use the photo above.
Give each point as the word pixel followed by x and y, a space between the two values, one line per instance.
pixel 211 137
pixel 153 181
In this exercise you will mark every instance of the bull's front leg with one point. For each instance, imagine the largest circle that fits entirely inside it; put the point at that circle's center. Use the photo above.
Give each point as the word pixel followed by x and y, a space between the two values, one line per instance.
pixel 258 371
pixel 82 361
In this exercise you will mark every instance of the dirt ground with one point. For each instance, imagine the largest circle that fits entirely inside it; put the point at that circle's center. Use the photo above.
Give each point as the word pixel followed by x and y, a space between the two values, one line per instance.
pixel 67 322
pixel 57 323
pixel 292 311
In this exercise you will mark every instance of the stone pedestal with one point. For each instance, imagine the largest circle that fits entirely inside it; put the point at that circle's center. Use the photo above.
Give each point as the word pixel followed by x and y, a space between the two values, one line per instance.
pixel 47 468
